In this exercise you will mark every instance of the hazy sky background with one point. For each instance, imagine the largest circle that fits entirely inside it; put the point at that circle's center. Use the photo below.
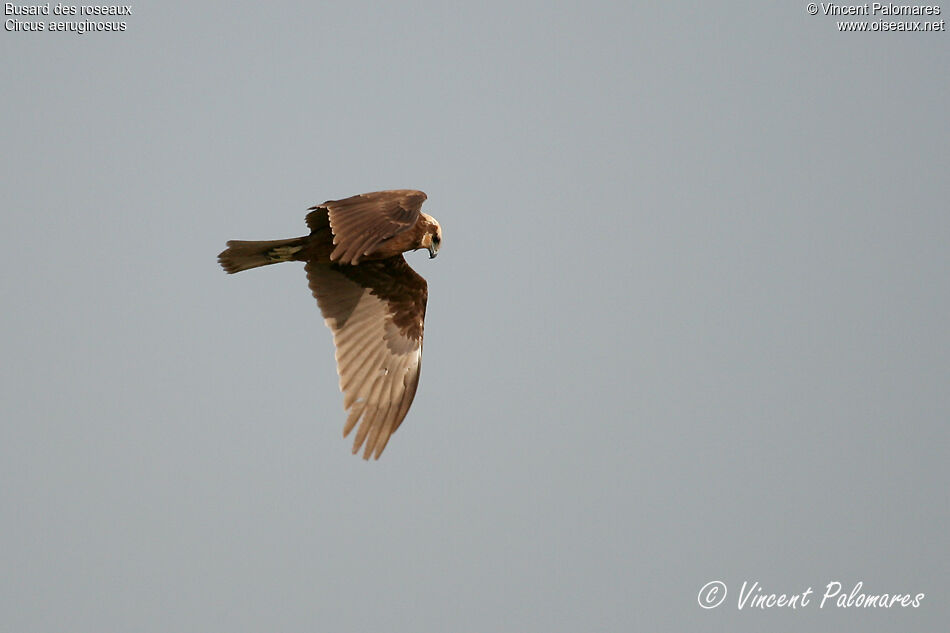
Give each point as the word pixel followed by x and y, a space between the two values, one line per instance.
pixel 689 322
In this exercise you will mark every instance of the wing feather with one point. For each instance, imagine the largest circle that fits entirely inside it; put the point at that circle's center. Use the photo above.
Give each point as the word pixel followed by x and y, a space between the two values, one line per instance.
pixel 376 312
pixel 360 223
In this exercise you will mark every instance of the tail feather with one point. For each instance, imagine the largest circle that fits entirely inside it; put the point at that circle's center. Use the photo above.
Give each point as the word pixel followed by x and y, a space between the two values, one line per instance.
pixel 241 255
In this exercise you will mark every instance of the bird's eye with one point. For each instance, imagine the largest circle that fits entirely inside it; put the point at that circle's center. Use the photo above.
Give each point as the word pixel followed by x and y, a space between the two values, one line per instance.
pixel 436 239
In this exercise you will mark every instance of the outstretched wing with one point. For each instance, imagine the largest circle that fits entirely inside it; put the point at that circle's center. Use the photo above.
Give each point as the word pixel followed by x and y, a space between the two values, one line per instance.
pixel 360 223
pixel 376 312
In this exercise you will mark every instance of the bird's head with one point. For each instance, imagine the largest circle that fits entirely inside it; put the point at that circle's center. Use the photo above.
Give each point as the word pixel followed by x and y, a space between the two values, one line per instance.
pixel 432 239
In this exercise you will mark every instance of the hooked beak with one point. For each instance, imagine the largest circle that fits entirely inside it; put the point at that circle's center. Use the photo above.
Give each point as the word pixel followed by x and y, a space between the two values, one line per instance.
pixel 433 251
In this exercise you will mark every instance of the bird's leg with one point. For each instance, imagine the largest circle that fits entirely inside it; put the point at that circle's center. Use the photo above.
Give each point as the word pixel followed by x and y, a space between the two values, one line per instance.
pixel 283 253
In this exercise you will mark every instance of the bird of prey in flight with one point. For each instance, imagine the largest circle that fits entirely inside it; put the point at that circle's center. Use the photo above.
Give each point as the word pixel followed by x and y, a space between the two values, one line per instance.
pixel 371 300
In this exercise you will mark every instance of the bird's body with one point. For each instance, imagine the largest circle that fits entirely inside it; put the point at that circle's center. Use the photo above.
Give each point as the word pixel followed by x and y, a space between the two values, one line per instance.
pixel 371 299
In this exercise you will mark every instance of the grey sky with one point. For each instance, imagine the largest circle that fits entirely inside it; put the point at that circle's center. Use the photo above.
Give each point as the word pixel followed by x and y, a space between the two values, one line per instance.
pixel 689 321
